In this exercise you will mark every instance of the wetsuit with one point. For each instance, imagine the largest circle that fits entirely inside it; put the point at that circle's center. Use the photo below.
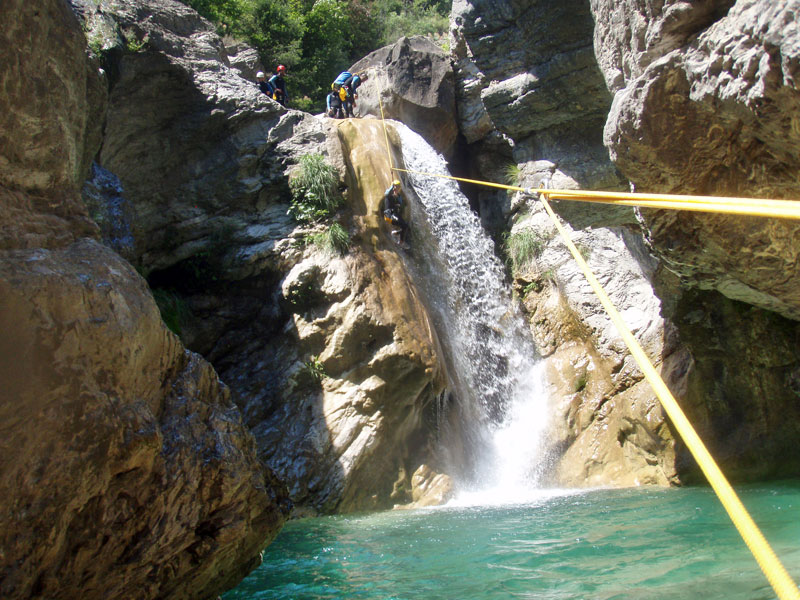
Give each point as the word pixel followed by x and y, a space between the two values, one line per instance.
pixel 265 87
pixel 278 84
pixel 335 109
pixel 351 85
pixel 393 209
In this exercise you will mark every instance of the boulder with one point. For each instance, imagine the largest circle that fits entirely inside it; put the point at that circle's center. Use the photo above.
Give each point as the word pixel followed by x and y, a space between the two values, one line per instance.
pixel 413 80
pixel 429 488
pixel 49 138
pixel 125 468
pixel 530 96
pixel 716 112
pixel 129 471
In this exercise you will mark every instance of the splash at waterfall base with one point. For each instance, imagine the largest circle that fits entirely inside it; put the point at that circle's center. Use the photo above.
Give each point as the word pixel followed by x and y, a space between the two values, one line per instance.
pixel 504 414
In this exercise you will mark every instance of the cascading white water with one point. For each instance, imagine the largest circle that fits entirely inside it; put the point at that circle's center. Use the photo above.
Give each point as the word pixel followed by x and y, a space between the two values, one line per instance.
pixel 498 384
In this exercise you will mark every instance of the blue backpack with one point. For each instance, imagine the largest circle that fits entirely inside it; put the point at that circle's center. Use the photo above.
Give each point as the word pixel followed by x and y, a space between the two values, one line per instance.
pixel 339 81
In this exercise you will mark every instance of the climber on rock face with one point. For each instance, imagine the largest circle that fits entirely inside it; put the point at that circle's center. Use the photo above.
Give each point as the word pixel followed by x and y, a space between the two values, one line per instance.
pixel 393 203
pixel 278 84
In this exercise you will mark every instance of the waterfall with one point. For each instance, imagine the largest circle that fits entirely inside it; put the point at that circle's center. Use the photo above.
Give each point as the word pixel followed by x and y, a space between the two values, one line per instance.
pixel 493 440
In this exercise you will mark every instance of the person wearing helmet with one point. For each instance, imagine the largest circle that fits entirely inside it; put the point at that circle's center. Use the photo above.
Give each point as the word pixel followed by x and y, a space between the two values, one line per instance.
pixel 351 88
pixel 335 106
pixel 263 84
pixel 393 203
pixel 278 84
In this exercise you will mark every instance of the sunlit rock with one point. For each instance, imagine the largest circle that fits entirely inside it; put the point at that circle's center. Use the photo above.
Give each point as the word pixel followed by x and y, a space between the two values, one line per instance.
pixel 413 80
pixel 125 468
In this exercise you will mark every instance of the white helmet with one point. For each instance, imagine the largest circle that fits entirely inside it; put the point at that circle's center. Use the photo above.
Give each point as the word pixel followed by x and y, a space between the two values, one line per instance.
pixel 260 74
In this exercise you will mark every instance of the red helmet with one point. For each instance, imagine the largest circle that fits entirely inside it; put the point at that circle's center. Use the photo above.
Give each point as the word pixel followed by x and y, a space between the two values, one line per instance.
pixel 281 69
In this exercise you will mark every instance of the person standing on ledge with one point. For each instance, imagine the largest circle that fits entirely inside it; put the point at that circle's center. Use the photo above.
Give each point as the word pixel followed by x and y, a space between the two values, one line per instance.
pixel 263 84
pixel 278 84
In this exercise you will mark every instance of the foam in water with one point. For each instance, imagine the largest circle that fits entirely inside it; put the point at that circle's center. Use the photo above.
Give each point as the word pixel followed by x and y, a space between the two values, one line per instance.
pixel 499 386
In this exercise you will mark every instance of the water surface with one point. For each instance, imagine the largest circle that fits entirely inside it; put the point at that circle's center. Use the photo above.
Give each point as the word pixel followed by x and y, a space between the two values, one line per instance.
pixel 602 544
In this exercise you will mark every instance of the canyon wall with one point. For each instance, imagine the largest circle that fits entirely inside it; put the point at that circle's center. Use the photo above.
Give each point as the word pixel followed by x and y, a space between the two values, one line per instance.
pixel 315 346
pixel 698 98
pixel 125 468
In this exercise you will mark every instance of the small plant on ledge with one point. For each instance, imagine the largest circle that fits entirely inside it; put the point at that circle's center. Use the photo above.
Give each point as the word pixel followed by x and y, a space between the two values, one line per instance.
pixel 314 187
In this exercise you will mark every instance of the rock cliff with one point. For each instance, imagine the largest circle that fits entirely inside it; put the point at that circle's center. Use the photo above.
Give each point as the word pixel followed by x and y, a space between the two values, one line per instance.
pixel 125 469
pixel 703 102
pixel 321 352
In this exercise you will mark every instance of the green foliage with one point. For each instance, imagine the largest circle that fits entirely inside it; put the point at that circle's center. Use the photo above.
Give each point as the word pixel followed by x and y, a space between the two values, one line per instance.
pixel 311 374
pixel 533 286
pixel 314 187
pixel 132 42
pixel 334 239
pixel 174 310
pixel 317 40
pixel 314 369
pixel 302 296
pixel 418 18
pixel 512 174
pixel 584 250
pixel 580 383
pixel 522 248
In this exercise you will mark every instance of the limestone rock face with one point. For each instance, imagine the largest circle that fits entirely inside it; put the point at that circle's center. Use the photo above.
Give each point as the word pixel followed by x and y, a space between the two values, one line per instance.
pixel 414 81
pixel 47 141
pixel 704 101
pixel 125 469
pixel 608 428
pixel 185 131
pixel 713 108
pixel 349 381
pixel 530 94
pixel 322 353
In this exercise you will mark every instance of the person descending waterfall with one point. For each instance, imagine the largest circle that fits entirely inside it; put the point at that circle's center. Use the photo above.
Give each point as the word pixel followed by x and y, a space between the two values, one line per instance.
pixel 393 203
pixel 263 84
pixel 278 84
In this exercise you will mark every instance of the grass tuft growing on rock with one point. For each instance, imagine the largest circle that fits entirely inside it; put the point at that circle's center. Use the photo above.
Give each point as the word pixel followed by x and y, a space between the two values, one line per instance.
pixel 174 310
pixel 314 187
pixel 522 248
pixel 334 239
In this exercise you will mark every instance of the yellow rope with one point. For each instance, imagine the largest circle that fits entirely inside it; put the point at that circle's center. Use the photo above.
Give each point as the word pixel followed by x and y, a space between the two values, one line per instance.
pixel 770 564
pixel 772 567
pixel 386 136
pixel 782 209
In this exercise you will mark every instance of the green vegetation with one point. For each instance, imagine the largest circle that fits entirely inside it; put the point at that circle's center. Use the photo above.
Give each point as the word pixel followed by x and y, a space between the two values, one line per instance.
pixel 522 248
pixel 302 296
pixel 174 310
pixel 314 369
pixel 310 375
pixel 132 42
pixel 512 174
pixel 334 239
pixel 314 187
pixel 584 250
pixel 317 39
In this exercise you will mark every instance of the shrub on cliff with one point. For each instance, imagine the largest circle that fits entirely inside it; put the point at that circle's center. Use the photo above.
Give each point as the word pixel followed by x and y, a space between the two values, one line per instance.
pixel 314 186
